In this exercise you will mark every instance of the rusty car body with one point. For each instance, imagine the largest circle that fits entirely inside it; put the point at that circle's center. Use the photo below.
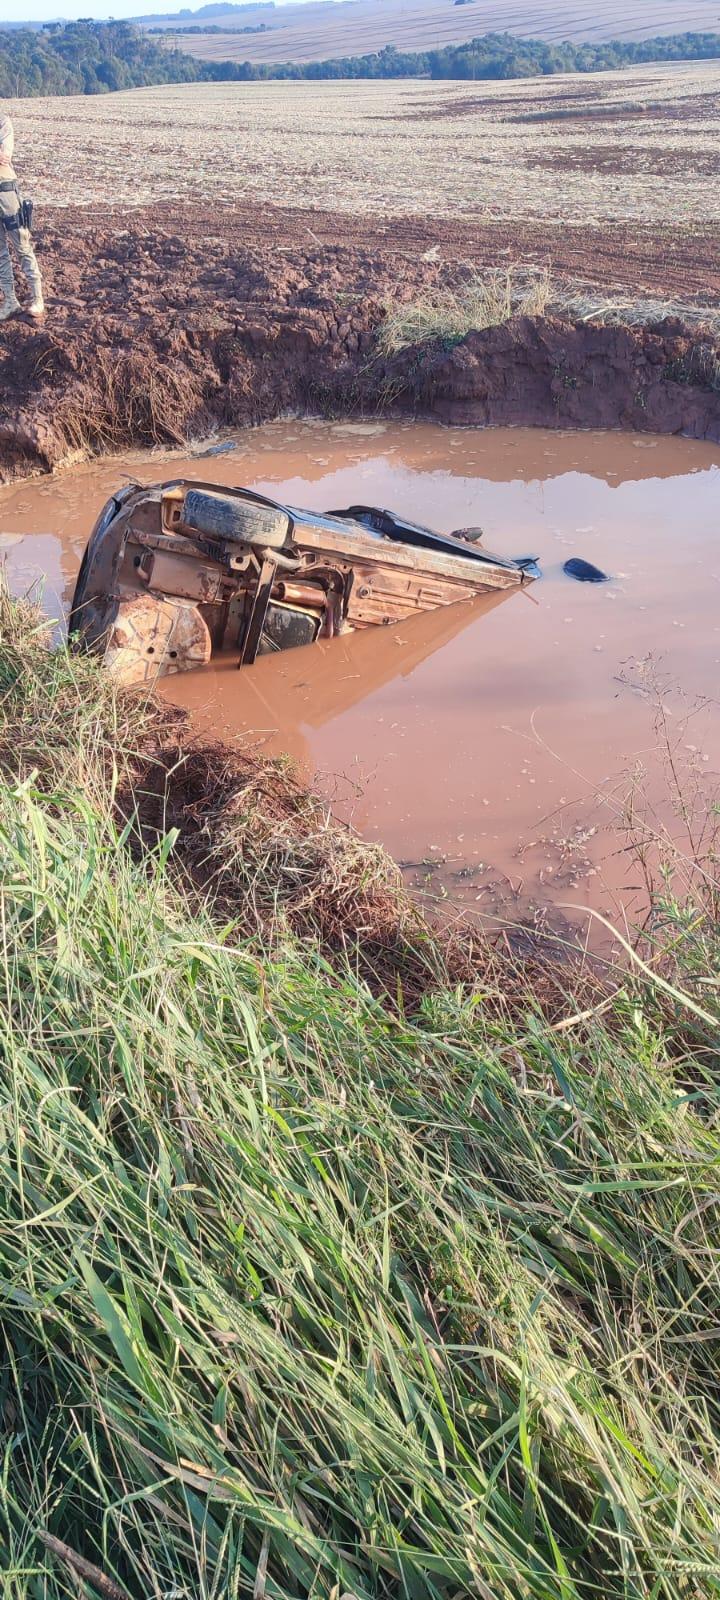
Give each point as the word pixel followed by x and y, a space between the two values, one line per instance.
pixel 176 572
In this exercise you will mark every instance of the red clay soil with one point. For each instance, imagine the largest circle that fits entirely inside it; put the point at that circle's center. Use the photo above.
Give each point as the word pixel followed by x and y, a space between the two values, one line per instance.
pixel 632 257
pixel 161 330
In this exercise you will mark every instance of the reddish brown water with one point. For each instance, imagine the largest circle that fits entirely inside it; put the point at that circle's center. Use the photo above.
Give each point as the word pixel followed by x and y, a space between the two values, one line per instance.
pixel 493 747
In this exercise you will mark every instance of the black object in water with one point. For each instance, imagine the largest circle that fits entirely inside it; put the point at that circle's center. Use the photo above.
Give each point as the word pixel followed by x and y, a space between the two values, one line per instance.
pixel 584 571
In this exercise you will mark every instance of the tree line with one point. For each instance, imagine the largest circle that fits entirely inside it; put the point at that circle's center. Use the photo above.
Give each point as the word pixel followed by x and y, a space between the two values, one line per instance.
pixel 212 27
pixel 493 56
pixel 87 58
pixel 97 57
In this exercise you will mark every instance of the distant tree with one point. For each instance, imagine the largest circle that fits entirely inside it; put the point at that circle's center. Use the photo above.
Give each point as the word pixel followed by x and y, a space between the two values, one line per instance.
pixel 87 57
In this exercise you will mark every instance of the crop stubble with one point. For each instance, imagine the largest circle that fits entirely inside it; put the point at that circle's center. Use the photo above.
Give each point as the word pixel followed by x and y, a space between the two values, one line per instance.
pixel 506 151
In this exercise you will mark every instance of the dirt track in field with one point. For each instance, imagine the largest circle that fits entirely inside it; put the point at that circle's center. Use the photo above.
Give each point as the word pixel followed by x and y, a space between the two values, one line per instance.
pixel 681 263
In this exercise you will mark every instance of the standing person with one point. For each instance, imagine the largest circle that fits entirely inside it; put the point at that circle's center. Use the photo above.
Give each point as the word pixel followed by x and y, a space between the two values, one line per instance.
pixel 13 230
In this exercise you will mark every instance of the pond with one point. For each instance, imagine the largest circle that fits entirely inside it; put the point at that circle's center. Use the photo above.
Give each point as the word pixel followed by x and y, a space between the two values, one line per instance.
pixel 505 751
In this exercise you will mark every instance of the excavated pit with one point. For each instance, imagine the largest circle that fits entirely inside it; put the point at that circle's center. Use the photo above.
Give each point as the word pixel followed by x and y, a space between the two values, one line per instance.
pixel 154 337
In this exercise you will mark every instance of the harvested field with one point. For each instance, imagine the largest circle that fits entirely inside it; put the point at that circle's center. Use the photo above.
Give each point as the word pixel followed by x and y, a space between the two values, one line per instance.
pixel 316 31
pixel 414 148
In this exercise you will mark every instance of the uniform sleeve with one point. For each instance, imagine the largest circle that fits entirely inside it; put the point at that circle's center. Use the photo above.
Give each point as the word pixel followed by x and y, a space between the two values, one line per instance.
pixel 7 141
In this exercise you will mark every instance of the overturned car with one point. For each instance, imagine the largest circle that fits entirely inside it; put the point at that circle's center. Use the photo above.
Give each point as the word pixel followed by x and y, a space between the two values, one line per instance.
pixel 177 572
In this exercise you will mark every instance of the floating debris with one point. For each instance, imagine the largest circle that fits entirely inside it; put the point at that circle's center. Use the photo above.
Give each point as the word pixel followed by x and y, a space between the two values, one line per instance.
pixel 584 571
pixel 223 449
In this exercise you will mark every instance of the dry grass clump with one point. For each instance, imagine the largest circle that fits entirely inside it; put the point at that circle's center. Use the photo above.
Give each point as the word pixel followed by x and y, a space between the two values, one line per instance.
pixel 126 400
pixel 483 302
pixel 248 837
pixel 490 300
pixel 586 305
pixel 261 848
pixel 703 365
pixel 59 717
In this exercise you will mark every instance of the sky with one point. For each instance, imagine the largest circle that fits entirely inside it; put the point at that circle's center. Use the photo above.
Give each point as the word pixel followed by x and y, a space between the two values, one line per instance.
pixel 46 10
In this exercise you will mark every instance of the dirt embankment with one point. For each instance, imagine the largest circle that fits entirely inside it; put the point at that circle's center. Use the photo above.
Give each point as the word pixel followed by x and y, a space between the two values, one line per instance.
pixel 155 335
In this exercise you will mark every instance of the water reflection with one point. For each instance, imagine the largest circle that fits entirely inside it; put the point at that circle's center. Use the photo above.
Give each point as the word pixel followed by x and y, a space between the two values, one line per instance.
pixel 278 700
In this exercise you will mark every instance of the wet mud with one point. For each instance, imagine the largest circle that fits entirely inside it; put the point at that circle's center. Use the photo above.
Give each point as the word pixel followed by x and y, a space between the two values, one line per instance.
pixel 155 336
pixel 507 752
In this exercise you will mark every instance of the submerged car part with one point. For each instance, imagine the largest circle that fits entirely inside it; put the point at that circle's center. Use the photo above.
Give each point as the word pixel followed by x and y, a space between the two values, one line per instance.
pixel 175 573
pixel 584 571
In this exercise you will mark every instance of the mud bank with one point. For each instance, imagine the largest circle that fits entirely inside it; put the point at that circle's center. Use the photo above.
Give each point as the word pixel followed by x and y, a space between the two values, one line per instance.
pixel 253 847
pixel 154 336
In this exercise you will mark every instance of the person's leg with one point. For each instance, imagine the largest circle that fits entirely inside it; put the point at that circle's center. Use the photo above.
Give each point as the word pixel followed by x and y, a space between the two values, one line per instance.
pixel 9 304
pixel 28 261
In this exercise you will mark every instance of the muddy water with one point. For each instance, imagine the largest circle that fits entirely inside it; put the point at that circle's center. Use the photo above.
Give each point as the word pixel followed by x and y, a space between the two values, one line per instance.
pixel 494 747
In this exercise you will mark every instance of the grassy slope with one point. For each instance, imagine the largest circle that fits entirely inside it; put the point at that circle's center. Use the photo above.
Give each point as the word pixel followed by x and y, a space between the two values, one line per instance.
pixel 304 1296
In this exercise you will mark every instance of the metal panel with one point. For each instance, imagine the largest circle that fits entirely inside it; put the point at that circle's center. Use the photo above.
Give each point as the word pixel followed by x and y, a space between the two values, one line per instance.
pixel 182 576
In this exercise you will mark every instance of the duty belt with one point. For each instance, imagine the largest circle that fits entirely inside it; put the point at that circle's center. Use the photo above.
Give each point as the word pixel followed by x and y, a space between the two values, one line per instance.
pixel 9 186
pixel 24 213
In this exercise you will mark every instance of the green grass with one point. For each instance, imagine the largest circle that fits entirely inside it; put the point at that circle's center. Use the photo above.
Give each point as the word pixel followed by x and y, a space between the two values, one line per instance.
pixel 307 1295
